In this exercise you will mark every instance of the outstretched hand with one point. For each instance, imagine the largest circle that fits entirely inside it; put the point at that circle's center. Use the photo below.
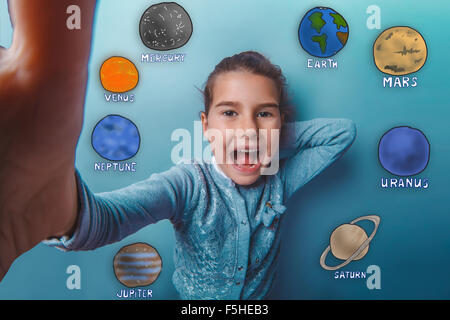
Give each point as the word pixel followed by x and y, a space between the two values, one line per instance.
pixel 43 78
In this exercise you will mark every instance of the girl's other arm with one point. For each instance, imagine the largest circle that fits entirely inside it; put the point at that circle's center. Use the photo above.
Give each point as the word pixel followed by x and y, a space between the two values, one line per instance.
pixel 308 147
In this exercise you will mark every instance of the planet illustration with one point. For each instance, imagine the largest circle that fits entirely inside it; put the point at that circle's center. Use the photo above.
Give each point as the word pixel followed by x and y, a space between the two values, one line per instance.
pixel 118 74
pixel 323 32
pixel 115 138
pixel 349 242
pixel 165 26
pixel 399 51
pixel 137 265
pixel 404 151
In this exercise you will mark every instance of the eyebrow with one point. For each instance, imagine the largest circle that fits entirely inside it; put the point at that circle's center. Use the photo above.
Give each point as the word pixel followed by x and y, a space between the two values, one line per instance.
pixel 235 104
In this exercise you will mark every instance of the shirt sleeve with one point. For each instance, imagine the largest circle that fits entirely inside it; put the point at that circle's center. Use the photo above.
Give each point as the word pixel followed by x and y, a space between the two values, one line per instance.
pixel 308 147
pixel 108 217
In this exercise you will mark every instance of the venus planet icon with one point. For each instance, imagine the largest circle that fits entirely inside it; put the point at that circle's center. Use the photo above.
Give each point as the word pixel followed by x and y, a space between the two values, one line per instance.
pixel 399 51
pixel 349 242
pixel 119 75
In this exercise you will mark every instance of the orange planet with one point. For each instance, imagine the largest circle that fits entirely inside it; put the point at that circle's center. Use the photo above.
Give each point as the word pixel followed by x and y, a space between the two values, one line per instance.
pixel 119 75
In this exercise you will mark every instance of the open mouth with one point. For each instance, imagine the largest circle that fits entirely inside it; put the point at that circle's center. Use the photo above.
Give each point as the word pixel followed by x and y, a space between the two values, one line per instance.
pixel 246 160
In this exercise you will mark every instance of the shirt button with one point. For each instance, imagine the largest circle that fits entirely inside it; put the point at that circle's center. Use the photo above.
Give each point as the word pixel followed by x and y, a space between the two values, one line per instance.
pixel 243 222
pixel 240 268
pixel 238 283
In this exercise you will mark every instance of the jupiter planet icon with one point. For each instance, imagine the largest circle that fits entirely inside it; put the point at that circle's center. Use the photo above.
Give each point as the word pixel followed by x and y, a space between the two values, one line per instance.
pixel 349 242
pixel 137 265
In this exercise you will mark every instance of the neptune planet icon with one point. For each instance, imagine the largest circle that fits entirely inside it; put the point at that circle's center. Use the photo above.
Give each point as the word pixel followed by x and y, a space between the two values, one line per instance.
pixel 116 138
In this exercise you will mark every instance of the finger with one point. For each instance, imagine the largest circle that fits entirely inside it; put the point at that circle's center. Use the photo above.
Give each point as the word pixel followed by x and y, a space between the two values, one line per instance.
pixel 42 34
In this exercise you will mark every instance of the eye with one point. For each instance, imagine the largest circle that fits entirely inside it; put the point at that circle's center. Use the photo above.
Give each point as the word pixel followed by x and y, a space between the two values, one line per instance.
pixel 229 113
pixel 264 114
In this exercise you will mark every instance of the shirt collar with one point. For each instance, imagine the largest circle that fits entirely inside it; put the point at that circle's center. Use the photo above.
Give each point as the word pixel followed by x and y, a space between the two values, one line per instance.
pixel 221 174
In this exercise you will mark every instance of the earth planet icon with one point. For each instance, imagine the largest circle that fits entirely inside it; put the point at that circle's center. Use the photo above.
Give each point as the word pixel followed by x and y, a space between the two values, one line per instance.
pixel 349 242
pixel 323 32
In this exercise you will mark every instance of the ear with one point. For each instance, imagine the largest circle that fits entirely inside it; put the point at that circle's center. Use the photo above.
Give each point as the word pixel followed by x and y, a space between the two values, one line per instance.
pixel 204 119
pixel 283 118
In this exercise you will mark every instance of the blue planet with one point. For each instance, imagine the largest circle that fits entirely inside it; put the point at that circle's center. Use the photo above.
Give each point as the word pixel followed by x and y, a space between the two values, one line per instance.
pixel 404 151
pixel 323 32
pixel 116 138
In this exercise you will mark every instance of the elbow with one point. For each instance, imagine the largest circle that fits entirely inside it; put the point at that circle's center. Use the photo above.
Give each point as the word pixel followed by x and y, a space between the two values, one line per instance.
pixel 347 133
pixel 351 131
pixel 350 134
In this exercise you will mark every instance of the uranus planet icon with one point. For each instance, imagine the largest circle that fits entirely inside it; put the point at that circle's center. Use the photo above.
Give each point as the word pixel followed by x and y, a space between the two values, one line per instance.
pixel 116 138
pixel 404 151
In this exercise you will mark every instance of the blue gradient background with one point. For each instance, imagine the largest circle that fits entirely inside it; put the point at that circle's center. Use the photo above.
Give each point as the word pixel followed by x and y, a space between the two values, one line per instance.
pixel 412 246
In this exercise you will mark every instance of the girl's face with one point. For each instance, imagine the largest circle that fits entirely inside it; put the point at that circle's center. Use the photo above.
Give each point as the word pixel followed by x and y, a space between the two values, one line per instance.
pixel 243 113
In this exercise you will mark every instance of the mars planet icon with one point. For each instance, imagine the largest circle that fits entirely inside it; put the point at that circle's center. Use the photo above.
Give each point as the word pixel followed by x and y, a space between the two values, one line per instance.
pixel 349 242
pixel 399 51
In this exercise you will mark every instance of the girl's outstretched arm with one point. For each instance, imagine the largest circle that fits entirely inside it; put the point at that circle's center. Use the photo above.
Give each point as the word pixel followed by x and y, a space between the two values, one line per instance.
pixel 108 217
pixel 43 78
pixel 308 147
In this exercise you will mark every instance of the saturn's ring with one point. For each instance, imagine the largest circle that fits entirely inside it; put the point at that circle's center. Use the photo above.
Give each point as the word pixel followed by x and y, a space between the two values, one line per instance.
pixel 376 221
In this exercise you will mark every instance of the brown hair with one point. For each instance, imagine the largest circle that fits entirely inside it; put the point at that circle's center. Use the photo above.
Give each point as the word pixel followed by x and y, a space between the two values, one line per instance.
pixel 255 63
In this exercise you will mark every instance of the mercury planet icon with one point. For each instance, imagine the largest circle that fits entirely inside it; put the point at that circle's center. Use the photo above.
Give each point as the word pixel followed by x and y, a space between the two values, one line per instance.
pixel 349 242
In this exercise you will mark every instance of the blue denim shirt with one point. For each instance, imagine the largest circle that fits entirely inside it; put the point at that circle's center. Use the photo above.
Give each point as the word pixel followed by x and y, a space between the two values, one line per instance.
pixel 227 235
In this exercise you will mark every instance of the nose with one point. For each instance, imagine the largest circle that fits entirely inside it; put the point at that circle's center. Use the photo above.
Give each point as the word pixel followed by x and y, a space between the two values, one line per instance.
pixel 247 130
pixel 249 125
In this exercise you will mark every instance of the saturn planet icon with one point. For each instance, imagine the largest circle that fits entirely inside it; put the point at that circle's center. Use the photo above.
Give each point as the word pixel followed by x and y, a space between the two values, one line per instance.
pixel 349 242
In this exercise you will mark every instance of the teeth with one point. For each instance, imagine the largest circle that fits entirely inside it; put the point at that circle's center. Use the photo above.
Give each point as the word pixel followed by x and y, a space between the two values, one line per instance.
pixel 248 151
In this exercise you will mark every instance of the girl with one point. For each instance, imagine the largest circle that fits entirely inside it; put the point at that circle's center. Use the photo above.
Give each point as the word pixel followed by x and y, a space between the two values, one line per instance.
pixel 226 215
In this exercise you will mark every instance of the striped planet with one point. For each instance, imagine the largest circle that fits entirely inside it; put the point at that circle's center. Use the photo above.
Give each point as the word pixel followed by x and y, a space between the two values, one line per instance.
pixel 137 265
